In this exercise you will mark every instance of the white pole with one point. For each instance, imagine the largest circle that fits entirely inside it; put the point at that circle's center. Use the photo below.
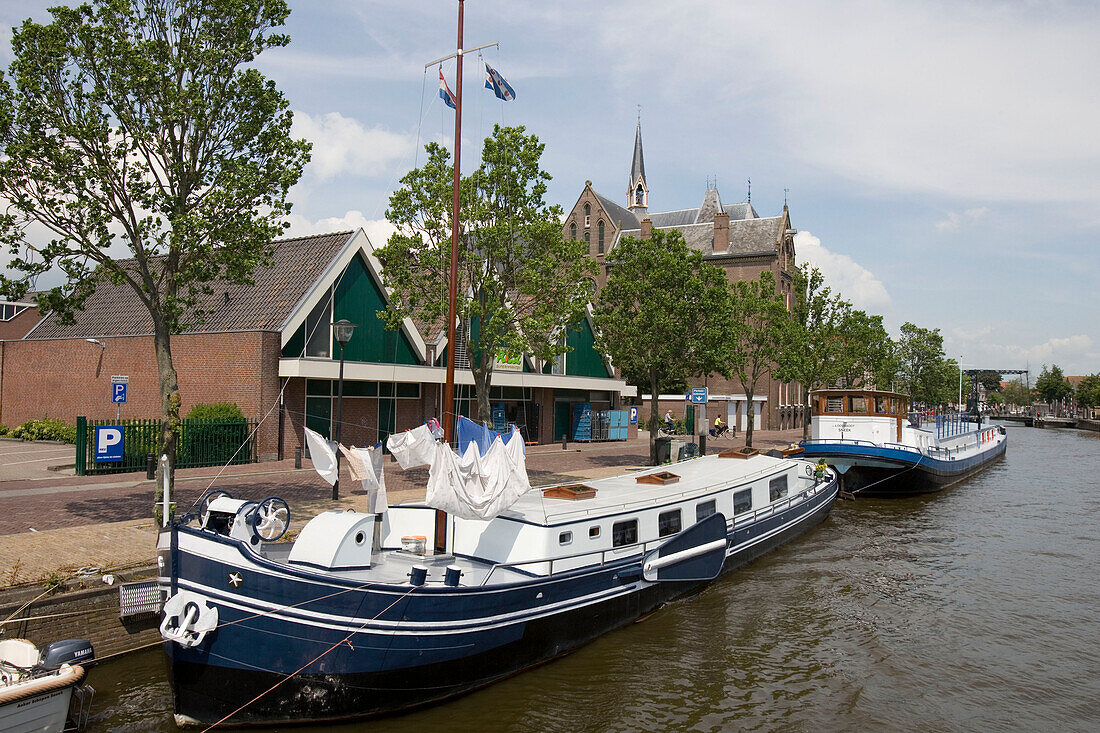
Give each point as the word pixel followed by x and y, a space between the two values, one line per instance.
pixel 167 502
pixel 960 383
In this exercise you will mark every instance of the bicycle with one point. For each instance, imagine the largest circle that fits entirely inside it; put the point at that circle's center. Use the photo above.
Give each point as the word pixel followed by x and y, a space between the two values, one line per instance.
pixel 722 432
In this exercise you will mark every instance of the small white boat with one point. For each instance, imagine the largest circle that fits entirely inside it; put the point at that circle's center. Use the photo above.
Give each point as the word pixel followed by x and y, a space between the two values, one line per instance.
pixel 42 691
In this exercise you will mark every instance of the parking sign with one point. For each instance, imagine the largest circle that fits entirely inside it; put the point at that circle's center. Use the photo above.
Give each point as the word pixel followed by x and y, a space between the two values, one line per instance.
pixel 108 443
pixel 119 383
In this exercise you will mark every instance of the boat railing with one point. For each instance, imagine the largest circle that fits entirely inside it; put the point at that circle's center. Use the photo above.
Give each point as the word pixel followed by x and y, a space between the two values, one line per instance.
pixel 844 441
pixel 600 557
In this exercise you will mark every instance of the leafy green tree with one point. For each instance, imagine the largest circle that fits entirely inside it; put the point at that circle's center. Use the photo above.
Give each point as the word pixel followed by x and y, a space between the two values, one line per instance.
pixel 520 285
pixel 146 124
pixel 1088 391
pixel 1052 385
pixel 990 380
pixel 760 328
pixel 812 354
pixel 926 374
pixel 1015 393
pixel 663 315
pixel 866 351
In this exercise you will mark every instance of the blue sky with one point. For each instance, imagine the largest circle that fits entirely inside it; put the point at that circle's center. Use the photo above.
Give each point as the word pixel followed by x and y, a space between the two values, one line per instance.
pixel 943 158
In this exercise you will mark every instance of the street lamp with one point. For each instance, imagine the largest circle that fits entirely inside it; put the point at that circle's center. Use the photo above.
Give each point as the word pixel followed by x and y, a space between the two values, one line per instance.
pixel 343 330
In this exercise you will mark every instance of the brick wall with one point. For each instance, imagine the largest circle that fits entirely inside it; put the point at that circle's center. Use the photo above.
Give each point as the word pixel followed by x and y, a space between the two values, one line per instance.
pixel 19 326
pixel 66 378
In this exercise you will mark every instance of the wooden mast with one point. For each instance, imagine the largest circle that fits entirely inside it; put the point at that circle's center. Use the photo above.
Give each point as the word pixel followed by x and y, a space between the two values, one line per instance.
pixel 449 387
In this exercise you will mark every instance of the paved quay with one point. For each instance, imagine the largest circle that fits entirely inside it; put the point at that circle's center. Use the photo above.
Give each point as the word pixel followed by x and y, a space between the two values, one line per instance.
pixel 53 525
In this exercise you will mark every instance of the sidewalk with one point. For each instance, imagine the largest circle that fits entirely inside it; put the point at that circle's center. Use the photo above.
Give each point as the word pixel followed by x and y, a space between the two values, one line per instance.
pixel 56 526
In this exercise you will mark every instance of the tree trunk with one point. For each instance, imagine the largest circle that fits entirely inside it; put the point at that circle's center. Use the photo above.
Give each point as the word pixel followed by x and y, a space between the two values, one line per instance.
pixel 483 381
pixel 169 405
pixel 750 414
pixel 806 417
pixel 653 418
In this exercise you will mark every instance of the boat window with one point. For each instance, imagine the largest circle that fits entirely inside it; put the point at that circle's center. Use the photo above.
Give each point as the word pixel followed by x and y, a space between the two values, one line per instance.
pixel 704 509
pixel 777 487
pixel 834 404
pixel 668 523
pixel 742 501
pixel 880 405
pixel 565 538
pixel 594 531
pixel 624 533
pixel 858 404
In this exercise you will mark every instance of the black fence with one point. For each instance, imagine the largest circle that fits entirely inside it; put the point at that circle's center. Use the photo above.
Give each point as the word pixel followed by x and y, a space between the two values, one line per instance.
pixel 201 443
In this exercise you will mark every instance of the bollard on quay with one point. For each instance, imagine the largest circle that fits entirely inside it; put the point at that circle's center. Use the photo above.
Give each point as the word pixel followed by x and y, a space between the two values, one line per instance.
pixel 298 457
pixel 702 443
pixel 150 466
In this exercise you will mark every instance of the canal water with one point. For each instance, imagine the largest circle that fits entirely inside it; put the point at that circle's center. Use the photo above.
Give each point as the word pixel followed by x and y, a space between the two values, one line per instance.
pixel 977 608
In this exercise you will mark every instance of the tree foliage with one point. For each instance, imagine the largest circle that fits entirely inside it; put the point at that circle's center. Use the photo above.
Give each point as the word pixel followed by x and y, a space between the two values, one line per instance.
pixel 1015 393
pixel 1052 385
pixel 813 353
pixel 663 315
pixel 520 285
pixel 867 354
pixel 144 124
pixel 927 376
pixel 1088 391
pixel 760 329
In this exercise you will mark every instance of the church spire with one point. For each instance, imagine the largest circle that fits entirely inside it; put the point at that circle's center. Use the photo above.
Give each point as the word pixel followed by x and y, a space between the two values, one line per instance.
pixel 637 191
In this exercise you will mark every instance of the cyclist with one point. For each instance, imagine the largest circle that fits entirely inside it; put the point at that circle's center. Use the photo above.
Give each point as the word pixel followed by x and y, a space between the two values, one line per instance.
pixel 669 424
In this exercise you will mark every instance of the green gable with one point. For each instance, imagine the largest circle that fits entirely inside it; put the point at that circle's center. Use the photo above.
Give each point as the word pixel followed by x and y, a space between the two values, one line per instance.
pixel 583 360
pixel 358 299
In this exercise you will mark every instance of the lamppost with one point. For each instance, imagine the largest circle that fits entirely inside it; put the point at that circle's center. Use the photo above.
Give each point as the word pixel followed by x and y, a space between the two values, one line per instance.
pixel 343 330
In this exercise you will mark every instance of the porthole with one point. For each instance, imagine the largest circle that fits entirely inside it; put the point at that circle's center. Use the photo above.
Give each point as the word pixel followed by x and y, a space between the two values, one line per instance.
pixel 593 531
pixel 359 538
pixel 565 538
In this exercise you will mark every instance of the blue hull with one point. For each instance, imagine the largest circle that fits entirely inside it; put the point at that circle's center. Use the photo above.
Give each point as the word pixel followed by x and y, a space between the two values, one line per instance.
pixel 885 471
pixel 279 654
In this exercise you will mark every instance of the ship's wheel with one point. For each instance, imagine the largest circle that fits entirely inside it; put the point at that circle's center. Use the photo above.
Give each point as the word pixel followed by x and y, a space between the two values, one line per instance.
pixel 204 504
pixel 270 519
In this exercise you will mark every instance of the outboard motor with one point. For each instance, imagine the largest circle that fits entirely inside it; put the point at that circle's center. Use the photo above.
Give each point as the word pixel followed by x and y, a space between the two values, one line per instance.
pixel 67 651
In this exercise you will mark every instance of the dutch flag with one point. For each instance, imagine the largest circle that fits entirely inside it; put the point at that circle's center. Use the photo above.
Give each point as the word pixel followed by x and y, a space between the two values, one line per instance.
pixel 445 92
pixel 496 82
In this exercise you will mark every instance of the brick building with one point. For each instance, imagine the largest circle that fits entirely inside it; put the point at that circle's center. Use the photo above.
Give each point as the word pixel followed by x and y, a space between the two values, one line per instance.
pixel 269 348
pixel 731 236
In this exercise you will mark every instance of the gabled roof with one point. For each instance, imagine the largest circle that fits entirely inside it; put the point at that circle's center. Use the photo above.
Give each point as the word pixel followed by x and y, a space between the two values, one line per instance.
pixel 279 285
pixel 747 236
pixel 620 216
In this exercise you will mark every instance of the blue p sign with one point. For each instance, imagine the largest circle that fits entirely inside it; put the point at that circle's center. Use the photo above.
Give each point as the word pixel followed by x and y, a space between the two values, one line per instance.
pixel 118 392
pixel 108 443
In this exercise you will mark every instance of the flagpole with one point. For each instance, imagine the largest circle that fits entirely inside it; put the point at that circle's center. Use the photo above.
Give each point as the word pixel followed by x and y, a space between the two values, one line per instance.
pixel 449 388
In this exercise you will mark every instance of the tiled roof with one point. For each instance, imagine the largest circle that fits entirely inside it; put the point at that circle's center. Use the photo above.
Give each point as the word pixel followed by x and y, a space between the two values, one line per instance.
pixel 620 216
pixel 747 236
pixel 296 264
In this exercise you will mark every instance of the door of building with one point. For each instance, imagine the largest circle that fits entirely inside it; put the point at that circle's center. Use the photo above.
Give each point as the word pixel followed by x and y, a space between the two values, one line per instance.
pixel 563 419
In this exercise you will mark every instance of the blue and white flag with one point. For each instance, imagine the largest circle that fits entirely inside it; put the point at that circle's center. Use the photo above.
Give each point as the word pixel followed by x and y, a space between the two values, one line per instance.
pixel 496 82
pixel 445 92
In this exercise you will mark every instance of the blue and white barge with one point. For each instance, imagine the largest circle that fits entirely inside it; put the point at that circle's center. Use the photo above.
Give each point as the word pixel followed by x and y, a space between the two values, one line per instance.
pixel 880 448
pixel 363 615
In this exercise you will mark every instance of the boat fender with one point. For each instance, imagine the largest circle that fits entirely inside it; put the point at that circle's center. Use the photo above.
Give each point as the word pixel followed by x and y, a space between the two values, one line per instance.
pixel 187 619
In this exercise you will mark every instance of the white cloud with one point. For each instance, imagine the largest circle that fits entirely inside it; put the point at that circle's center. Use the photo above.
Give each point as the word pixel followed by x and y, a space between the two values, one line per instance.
pixel 342 145
pixel 378 230
pixel 980 350
pixel 854 282
pixel 955 220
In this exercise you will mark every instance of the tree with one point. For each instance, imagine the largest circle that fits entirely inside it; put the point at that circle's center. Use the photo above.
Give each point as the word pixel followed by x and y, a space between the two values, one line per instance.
pixel 812 352
pixel 662 316
pixel 990 380
pixel 1052 385
pixel 1088 391
pixel 520 285
pixel 1015 393
pixel 927 375
pixel 760 327
pixel 145 123
pixel 866 350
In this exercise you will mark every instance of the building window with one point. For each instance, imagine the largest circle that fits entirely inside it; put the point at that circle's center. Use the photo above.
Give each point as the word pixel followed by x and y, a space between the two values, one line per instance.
pixel 668 523
pixel 9 311
pixel 777 487
pixel 573 231
pixel 587 216
pixel 624 533
pixel 599 235
pixel 565 538
pixel 742 501
pixel 587 237
pixel 704 509
pixel 593 531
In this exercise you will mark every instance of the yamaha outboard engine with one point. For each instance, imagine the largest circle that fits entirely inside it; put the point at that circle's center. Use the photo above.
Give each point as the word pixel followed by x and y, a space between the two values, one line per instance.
pixel 67 651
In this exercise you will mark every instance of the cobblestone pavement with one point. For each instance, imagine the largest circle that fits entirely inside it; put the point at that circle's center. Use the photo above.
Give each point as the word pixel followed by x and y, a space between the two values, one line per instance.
pixel 56 525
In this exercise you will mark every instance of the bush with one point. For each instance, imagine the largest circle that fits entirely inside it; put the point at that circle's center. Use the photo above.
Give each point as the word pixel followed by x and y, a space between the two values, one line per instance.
pixel 4 430
pixel 215 411
pixel 46 429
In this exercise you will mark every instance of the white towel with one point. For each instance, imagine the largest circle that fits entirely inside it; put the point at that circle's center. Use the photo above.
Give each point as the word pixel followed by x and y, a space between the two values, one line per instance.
pixel 322 455
pixel 365 465
pixel 414 447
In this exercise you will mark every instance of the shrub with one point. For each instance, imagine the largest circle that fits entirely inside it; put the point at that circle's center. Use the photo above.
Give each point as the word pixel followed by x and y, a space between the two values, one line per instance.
pixel 215 411
pixel 4 430
pixel 46 429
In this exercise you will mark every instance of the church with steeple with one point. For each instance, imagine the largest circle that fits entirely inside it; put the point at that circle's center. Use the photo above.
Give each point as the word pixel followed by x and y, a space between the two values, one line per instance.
pixel 732 236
